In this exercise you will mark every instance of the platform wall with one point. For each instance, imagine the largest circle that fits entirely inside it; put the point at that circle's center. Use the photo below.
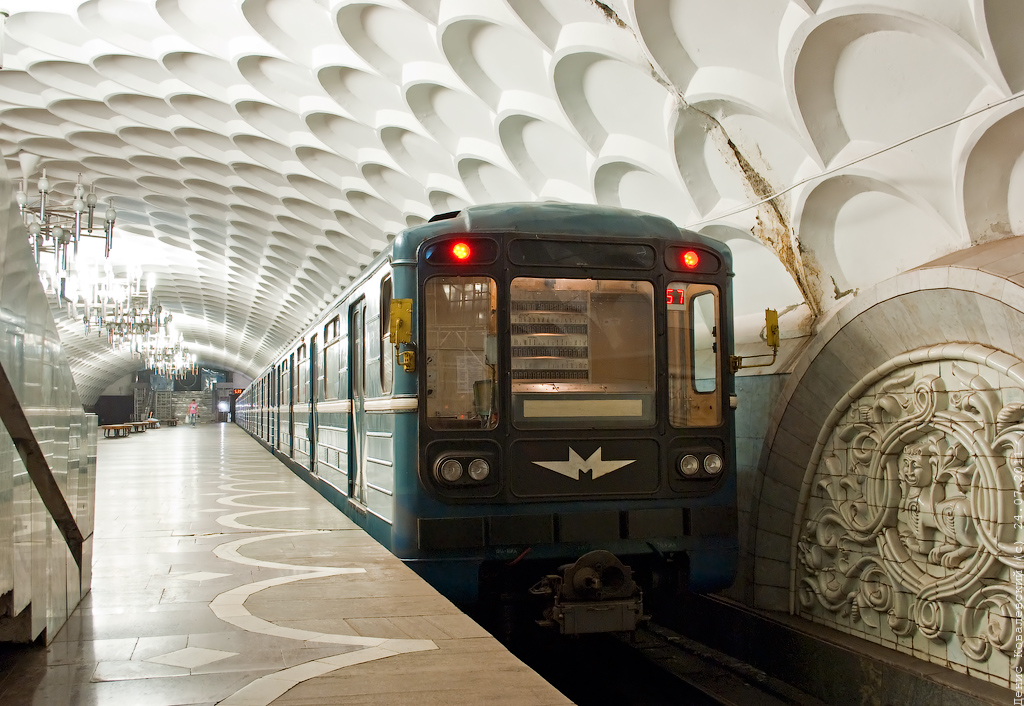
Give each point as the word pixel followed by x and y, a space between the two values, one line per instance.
pixel 40 582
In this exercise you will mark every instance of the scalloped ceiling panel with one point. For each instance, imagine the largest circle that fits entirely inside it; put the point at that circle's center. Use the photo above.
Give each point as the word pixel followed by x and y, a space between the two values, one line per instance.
pixel 259 152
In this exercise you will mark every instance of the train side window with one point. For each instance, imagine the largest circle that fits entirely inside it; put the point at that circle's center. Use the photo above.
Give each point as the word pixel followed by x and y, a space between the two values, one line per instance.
pixel 290 380
pixel 332 360
pixel 316 371
pixel 282 384
pixel 302 378
pixel 387 351
pixel 694 376
pixel 461 352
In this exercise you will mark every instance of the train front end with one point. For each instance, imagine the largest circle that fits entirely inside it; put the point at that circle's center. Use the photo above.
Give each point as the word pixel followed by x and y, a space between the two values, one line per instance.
pixel 574 427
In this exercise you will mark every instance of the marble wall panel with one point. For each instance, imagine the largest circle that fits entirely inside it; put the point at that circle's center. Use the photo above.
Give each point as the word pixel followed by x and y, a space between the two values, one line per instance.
pixel 37 570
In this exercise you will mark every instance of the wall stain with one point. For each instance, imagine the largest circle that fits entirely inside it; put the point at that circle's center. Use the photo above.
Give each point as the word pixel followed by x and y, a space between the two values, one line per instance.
pixel 771 227
pixel 610 14
pixel 840 294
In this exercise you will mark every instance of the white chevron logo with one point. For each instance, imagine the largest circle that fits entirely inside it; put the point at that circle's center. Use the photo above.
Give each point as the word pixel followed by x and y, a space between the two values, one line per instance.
pixel 573 467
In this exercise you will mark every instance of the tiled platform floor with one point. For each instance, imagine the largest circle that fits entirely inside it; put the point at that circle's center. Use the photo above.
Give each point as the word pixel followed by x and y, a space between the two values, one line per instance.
pixel 219 577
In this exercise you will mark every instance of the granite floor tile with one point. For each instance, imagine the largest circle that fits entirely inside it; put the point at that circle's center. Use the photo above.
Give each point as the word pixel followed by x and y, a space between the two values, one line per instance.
pixel 113 670
pixel 90 651
pixel 377 627
pixel 179 524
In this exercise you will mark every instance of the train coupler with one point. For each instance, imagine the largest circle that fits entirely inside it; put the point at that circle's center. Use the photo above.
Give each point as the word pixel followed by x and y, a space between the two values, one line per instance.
pixel 595 594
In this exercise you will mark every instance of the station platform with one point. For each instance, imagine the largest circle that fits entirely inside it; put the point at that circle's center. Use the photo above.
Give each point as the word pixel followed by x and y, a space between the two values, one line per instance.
pixel 219 577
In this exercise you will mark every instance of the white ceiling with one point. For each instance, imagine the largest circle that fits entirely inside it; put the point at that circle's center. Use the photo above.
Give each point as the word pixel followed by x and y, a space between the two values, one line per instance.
pixel 261 152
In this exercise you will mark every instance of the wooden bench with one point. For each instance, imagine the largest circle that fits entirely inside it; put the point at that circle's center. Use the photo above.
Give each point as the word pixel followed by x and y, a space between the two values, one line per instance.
pixel 111 431
pixel 144 424
pixel 168 422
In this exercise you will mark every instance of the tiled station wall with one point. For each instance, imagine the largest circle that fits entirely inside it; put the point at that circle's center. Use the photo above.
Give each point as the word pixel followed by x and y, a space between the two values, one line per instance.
pixel 878 478
pixel 40 583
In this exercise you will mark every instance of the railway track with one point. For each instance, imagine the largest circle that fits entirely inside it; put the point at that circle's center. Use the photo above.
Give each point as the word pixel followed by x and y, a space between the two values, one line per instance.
pixel 653 667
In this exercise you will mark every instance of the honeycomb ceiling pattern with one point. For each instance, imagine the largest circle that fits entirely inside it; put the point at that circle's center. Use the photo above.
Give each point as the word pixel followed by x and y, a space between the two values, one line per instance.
pixel 261 152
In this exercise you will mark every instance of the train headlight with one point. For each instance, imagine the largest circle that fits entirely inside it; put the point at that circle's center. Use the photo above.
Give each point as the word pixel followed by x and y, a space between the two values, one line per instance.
pixel 479 469
pixel 450 470
pixel 713 464
pixel 688 465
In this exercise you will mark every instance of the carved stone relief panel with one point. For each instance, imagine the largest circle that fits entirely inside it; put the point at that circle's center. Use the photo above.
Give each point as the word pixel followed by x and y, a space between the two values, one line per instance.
pixel 910 531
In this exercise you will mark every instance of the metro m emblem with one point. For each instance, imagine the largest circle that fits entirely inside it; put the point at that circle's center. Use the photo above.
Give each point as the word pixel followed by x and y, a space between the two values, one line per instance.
pixel 576 465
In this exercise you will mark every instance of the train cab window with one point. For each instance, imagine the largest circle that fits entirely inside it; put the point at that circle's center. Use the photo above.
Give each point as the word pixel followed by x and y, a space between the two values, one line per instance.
pixel 461 352
pixel 332 360
pixel 694 375
pixel 582 353
pixel 387 351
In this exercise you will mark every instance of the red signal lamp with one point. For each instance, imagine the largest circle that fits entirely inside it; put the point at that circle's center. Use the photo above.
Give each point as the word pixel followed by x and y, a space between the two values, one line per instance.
pixel 461 251
pixel 692 259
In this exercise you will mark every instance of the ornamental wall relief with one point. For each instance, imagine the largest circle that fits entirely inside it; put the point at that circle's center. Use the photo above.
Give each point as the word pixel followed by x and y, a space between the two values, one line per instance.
pixel 909 534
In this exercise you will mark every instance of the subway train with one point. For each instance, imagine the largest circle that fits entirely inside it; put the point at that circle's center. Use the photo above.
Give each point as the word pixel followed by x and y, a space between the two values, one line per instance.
pixel 531 398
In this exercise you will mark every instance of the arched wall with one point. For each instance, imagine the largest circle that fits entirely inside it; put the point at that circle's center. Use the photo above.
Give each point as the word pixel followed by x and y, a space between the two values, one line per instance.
pixel 884 497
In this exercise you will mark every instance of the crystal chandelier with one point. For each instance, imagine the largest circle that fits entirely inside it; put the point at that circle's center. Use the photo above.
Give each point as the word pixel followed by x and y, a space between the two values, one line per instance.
pixel 121 307
pixel 129 328
pixel 57 229
pixel 168 355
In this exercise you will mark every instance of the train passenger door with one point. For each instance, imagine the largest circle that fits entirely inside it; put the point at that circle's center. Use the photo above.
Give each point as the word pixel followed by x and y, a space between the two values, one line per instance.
pixel 357 393
pixel 291 405
pixel 275 398
pixel 314 385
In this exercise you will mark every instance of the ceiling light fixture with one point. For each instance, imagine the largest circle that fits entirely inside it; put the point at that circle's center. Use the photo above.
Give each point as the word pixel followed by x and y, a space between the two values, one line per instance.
pixel 55 228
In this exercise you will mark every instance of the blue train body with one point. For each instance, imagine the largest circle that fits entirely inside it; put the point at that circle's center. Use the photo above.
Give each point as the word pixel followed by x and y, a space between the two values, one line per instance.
pixel 565 387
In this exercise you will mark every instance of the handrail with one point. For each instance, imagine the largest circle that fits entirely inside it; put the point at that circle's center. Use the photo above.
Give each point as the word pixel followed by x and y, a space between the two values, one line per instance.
pixel 32 456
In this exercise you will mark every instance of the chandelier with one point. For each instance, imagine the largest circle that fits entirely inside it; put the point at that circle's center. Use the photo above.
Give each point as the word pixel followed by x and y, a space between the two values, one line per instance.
pixel 57 229
pixel 128 328
pixel 123 310
pixel 120 308
pixel 168 355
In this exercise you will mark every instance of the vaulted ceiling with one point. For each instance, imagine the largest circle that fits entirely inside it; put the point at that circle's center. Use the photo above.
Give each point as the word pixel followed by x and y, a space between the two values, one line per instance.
pixel 261 152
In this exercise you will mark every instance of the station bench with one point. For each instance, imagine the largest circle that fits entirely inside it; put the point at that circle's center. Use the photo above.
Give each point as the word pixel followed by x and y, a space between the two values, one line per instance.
pixel 144 424
pixel 114 430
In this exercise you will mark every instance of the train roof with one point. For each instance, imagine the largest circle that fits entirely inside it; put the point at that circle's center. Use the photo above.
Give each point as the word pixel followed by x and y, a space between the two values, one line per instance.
pixel 523 219
pixel 539 218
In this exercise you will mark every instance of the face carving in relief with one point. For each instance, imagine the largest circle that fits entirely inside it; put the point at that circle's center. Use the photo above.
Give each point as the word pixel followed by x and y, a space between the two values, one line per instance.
pixel 934 508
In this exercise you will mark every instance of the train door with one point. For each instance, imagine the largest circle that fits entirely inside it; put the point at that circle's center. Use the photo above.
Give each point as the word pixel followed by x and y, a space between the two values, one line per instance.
pixel 264 409
pixel 276 401
pixel 271 380
pixel 357 393
pixel 314 385
pixel 291 405
pixel 268 401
